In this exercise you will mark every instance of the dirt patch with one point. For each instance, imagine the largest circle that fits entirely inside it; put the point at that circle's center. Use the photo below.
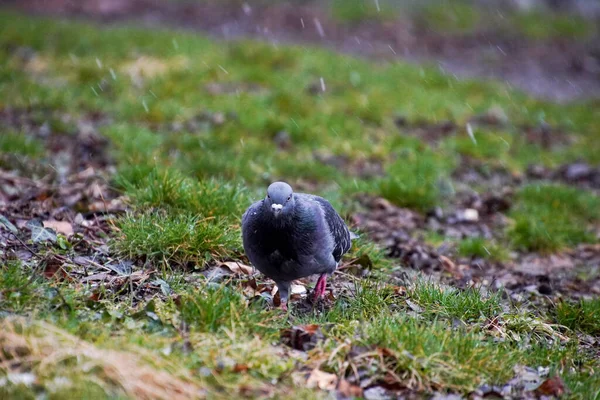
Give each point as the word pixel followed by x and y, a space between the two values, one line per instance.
pixel 57 211
pixel 555 69
pixel 579 174
pixel 403 233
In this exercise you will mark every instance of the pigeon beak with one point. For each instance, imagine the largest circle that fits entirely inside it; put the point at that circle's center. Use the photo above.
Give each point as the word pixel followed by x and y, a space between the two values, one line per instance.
pixel 276 208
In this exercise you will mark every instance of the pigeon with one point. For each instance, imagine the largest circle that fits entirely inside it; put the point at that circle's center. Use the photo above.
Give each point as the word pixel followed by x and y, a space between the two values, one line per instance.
pixel 291 235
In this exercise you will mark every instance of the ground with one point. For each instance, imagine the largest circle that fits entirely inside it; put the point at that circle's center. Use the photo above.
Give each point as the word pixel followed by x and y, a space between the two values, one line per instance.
pixel 128 154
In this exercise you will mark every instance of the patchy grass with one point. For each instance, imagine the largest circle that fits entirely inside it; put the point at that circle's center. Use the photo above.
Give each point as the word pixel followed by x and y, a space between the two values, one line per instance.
pixel 16 143
pixel 450 16
pixel 468 305
pixel 415 180
pixel 549 217
pixel 176 239
pixel 583 316
pixel 537 25
pixel 482 248
pixel 355 11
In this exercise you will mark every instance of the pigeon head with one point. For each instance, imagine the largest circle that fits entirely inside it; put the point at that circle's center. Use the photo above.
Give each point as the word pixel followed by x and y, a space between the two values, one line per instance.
pixel 280 199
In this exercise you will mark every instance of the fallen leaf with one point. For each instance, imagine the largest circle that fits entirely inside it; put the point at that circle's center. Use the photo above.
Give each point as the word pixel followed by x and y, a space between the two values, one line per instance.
pixel 322 380
pixel 400 291
pixel 122 268
pixel 447 263
pixel 302 337
pixel 39 233
pixel 53 268
pixel 237 267
pixel 552 387
pixel 297 289
pixel 348 389
pixel 63 227
pixel 240 368
pixel 4 222
pixel 414 306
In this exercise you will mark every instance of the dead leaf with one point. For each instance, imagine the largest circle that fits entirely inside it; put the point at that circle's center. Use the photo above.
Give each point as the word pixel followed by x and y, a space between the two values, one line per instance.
pixel 237 267
pixel 297 289
pixel 53 268
pixel 414 306
pixel 302 337
pixel 552 387
pixel 63 227
pixel 322 380
pixel 447 263
pixel 39 233
pixel 4 222
pixel 400 291
pixel 240 368
pixel 348 389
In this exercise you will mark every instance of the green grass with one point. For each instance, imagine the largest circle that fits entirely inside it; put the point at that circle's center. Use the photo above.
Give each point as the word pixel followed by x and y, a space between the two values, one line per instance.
pixel 468 305
pixel 224 330
pixel 450 16
pixel 355 11
pixel 176 239
pixel 537 25
pixel 583 316
pixel 21 144
pixel 549 217
pixel 415 180
pixel 482 248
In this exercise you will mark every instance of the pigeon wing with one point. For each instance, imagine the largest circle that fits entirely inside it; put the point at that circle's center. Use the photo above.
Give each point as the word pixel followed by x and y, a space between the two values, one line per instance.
pixel 337 228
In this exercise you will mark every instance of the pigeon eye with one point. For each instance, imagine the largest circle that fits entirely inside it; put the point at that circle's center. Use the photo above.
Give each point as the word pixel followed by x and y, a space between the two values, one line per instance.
pixel 289 198
pixel 268 196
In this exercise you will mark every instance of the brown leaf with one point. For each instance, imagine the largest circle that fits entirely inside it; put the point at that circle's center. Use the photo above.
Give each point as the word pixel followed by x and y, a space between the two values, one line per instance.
pixel 303 337
pixel 63 227
pixel 552 387
pixel 239 368
pixel 400 291
pixel 237 267
pixel 53 268
pixel 322 380
pixel 348 389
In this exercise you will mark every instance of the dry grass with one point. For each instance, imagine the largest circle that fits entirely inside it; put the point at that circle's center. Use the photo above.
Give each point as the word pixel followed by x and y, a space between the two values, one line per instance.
pixel 45 350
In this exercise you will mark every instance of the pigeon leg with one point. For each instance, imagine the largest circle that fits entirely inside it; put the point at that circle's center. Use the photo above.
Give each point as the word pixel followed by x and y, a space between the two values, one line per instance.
pixel 284 290
pixel 320 286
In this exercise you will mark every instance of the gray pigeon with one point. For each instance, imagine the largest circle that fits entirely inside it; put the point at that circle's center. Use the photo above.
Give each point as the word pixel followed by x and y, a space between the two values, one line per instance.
pixel 291 235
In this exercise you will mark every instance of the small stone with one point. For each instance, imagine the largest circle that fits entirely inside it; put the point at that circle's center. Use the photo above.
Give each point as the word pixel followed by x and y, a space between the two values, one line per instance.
pixel 578 171
pixel 467 215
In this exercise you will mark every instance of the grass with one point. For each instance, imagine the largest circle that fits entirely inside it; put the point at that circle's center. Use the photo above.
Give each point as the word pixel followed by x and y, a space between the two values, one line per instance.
pixel 583 316
pixel 481 248
pixel 176 239
pixel 550 217
pixel 454 17
pixel 189 171
pixel 213 339
pixel 468 305
pixel 415 180
pixel 14 143
pixel 536 25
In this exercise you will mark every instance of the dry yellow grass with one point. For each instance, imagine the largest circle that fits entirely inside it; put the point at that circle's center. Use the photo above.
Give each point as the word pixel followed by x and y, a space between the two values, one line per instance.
pixel 45 350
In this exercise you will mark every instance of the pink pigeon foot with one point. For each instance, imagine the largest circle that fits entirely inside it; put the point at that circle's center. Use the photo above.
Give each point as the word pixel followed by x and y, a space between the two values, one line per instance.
pixel 320 287
pixel 284 306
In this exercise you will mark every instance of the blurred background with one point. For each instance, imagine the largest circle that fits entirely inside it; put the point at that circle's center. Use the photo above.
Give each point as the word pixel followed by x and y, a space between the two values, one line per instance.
pixel 550 48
